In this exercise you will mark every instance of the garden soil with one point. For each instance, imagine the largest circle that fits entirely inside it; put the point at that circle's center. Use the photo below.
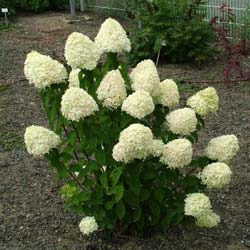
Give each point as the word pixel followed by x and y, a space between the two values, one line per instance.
pixel 32 215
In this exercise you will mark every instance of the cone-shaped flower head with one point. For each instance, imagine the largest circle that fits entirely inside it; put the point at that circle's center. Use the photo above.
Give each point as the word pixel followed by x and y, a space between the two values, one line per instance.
pixel 157 148
pixel 112 90
pixel 74 78
pixel 39 140
pixel 145 77
pixel 135 142
pixel 197 205
pixel 204 102
pixel 42 71
pixel 81 52
pixel 216 175
pixel 168 94
pixel 77 104
pixel 182 121
pixel 139 104
pixel 222 148
pixel 177 153
pixel 208 220
pixel 112 37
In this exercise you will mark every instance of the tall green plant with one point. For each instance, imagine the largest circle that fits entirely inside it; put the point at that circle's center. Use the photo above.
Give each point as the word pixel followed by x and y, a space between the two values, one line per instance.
pixel 176 28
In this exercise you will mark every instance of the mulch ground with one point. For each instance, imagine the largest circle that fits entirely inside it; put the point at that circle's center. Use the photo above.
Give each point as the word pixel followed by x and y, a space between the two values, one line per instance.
pixel 32 215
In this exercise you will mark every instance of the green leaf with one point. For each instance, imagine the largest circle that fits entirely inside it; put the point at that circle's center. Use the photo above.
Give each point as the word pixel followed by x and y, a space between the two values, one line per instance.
pixel 100 157
pixel 115 175
pixel 166 221
pixel 120 210
pixel 117 191
pixel 85 196
pixel 104 180
pixel 131 198
pixel 155 211
pixel 109 205
pixel 159 195
pixel 71 138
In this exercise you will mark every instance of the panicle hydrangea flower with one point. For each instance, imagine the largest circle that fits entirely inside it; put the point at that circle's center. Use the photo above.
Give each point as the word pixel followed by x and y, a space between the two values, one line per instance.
pixel 81 52
pixel 157 148
pixel 139 104
pixel 88 225
pixel 216 175
pixel 177 153
pixel 77 103
pixel 204 102
pixel 74 78
pixel 145 77
pixel 135 142
pixel 112 90
pixel 222 148
pixel 182 121
pixel 39 140
pixel 42 71
pixel 197 205
pixel 112 37
pixel 208 220
pixel 168 94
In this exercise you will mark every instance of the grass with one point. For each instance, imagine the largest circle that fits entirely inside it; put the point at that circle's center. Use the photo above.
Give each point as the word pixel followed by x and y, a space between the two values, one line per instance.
pixel 188 88
pixel 6 28
pixel 9 140
pixel 4 88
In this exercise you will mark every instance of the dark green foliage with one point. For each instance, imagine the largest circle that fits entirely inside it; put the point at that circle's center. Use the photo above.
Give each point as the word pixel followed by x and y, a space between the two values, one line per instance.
pixel 174 27
pixel 34 5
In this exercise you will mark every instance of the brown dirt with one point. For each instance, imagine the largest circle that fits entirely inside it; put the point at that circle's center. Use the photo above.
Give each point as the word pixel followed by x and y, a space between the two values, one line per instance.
pixel 32 216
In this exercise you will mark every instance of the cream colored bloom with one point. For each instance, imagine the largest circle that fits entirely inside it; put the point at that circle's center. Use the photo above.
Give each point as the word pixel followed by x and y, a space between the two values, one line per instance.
pixel 177 153
pixel 197 205
pixel 182 121
pixel 112 91
pixel 112 37
pixel 81 52
pixel 168 94
pixel 74 78
pixel 39 140
pixel 42 71
pixel 135 142
pixel 204 102
pixel 222 148
pixel 139 104
pixel 157 148
pixel 145 77
pixel 77 103
pixel 216 175
pixel 88 225
pixel 208 220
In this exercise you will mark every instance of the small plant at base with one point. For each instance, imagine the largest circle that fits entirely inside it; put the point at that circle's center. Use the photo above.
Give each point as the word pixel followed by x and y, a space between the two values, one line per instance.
pixel 125 155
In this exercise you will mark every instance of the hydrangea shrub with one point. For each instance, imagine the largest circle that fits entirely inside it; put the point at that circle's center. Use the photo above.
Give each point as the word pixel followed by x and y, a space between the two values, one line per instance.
pixel 119 140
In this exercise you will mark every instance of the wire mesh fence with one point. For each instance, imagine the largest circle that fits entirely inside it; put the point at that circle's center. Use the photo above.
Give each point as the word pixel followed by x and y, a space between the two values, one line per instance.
pixel 118 8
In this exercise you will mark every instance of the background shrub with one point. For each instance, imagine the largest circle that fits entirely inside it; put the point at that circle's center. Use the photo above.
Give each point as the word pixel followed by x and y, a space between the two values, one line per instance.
pixel 177 29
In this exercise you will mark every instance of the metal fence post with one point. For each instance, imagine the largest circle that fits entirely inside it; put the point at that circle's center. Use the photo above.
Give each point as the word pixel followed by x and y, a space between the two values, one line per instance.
pixel 83 5
pixel 72 7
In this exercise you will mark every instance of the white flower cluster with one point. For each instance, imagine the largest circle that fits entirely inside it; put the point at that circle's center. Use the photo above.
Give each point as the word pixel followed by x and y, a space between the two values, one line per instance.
pixel 145 77
pixel 222 148
pixel 216 175
pixel 112 37
pixel 88 225
pixel 139 104
pixel 199 206
pixel 177 153
pixel 182 121
pixel 168 94
pixel 39 140
pixel 42 71
pixel 77 103
pixel 81 52
pixel 74 78
pixel 204 102
pixel 112 91
pixel 157 148
pixel 208 220
pixel 135 142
